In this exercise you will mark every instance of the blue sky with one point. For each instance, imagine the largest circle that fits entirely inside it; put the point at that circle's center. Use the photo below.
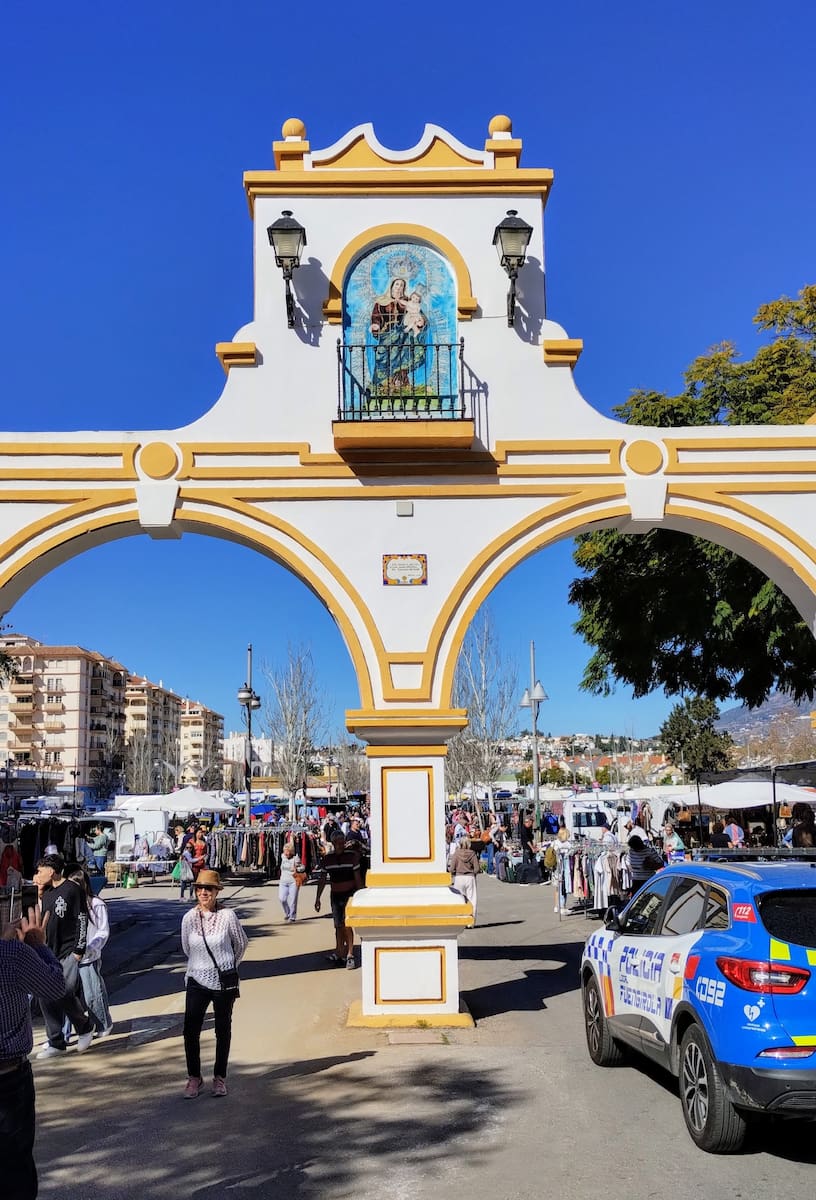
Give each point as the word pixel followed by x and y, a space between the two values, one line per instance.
pixel 681 139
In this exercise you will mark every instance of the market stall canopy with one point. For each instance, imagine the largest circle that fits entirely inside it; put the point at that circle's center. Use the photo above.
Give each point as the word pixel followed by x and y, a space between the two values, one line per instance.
pixel 753 793
pixel 185 802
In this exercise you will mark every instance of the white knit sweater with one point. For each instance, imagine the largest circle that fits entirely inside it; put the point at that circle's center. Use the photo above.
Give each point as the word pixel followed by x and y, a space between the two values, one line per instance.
pixel 226 940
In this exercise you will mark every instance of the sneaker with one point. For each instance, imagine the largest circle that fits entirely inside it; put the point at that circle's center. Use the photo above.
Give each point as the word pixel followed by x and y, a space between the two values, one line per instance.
pixel 106 1032
pixel 219 1086
pixel 193 1088
pixel 83 1041
pixel 50 1051
pixel 350 963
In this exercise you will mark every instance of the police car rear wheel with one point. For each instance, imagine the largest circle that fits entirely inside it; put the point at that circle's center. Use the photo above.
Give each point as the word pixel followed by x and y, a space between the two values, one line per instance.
pixel 603 1049
pixel 711 1119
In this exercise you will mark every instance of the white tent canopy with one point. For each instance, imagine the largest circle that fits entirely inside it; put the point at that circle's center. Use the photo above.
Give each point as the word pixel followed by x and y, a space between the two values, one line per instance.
pixel 185 802
pixel 755 793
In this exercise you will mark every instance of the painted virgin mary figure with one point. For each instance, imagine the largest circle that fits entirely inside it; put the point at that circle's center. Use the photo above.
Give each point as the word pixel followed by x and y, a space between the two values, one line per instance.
pixel 399 330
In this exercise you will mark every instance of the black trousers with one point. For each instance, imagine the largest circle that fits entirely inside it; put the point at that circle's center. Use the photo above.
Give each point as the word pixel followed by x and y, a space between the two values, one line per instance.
pixel 198 1001
pixel 19 1175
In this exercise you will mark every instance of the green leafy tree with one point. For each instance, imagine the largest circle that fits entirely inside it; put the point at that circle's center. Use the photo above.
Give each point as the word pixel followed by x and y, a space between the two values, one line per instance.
pixel 708 622
pixel 691 740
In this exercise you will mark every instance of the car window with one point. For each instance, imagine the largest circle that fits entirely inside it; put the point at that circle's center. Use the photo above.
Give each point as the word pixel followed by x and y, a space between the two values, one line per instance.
pixel 790 916
pixel 643 913
pixel 685 907
pixel 716 915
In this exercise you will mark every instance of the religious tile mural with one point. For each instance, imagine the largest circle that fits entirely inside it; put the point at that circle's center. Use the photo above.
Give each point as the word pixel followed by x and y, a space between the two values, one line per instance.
pixel 400 354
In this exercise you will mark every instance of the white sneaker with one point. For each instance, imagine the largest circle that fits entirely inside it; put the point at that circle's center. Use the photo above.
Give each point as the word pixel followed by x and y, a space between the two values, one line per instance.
pixel 103 1033
pixel 83 1041
pixel 50 1051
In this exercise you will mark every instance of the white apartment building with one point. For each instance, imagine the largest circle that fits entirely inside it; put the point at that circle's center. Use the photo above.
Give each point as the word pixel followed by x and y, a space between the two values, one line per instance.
pixel 201 745
pixel 62 719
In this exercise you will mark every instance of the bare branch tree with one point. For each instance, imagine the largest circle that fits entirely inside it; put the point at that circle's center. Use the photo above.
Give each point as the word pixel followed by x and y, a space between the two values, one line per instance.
pixel 352 765
pixel 139 773
pixel 293 715
pixel 485 684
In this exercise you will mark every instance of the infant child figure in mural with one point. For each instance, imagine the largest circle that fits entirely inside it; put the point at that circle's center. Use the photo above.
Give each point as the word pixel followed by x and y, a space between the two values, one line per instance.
pixel 413 319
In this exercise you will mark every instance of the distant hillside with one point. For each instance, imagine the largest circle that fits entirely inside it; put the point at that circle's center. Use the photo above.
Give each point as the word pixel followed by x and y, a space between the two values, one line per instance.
pixel 744 722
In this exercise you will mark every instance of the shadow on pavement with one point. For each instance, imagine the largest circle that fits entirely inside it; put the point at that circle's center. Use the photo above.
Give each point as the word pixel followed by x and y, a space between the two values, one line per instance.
pixel 360 1125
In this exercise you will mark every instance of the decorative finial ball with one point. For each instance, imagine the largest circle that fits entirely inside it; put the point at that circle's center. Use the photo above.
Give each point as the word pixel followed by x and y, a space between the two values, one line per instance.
pixel 293 128
pixel 500 124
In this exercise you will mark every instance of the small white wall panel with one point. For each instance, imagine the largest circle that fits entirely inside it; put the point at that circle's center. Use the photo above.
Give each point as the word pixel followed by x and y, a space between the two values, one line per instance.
pixel 407 814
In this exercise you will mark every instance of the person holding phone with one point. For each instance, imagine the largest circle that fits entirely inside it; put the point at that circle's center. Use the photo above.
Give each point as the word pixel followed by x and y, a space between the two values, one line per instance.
pixel 27 968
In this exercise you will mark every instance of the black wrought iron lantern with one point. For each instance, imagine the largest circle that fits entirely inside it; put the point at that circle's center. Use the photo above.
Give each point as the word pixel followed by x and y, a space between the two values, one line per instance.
pixel 287 237
pixel 511 239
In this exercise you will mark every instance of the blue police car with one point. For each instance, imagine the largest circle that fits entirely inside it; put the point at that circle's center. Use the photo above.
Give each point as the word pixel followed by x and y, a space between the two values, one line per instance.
pixel 708 971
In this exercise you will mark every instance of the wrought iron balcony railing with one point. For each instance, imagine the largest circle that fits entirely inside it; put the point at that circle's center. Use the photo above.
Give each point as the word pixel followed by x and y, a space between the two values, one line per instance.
pixel 421 381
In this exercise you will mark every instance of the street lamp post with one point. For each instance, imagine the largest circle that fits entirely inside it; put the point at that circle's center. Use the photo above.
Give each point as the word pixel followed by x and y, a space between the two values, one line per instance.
pixel 8 771
pixel 249 701
pixel 74 776
pixel 533 697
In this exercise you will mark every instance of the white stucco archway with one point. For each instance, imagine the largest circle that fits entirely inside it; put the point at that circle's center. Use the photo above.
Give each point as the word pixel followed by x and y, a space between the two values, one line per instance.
pixel 455 497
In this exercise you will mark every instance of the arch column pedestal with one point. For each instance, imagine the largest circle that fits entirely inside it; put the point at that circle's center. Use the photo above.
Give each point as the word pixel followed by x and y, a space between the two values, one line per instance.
pixel 408 918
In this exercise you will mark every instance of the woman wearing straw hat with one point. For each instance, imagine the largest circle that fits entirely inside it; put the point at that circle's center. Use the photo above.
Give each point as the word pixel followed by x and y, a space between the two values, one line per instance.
pixel 215 943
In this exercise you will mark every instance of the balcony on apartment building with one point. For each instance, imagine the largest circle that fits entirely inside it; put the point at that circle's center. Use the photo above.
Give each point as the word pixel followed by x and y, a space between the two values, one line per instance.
pixel 24 704
pixel 53 706
pixel 23 685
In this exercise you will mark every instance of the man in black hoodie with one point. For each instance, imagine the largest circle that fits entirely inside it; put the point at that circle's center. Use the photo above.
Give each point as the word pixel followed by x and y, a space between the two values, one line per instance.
pixel 66 935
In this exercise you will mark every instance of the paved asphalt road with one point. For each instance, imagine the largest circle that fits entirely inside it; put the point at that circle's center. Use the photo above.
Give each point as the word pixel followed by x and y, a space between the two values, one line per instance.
pixel 511 1109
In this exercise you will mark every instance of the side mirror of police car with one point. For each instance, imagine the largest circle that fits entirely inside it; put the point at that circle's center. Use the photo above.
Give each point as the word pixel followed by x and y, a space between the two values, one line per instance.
pixel 612 920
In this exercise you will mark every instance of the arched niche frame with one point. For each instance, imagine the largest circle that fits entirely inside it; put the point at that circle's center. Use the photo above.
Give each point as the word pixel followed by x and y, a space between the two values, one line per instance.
pixel 378 235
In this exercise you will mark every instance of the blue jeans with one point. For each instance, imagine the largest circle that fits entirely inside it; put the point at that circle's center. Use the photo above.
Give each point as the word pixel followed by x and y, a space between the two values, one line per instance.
pixel 17 1134
pixel 490 850
pixel 95 994
pixel 288 896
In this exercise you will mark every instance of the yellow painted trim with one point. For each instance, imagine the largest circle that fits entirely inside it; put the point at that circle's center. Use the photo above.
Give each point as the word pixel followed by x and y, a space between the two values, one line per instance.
pixel 644 458
pixel 463 910
pixel 421 772
pixel 360 920
pixel 723 447
pixel 429 750
pixel 573 516
pixel 771 544
pixel 466 302
pixel 437 154
pixel 779 951
pixel 389 718
pixel 158 460
pixel 236 354
pixel 411 434
pixel 83 506
pixel 805 1039
pixel 480 181
pixel 379 954
pixel 25 450
pixel 277 550
pixel 377 879
pixel 289 155
pixel 562 350
pixel 357 1020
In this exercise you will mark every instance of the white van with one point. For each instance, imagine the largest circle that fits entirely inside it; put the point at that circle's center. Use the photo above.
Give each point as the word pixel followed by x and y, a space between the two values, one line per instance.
pixel 588 818
pixel 126 827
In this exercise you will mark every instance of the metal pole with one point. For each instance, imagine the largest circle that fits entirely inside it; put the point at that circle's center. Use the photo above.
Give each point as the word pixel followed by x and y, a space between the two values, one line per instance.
pixel 534 709
pixel 248 760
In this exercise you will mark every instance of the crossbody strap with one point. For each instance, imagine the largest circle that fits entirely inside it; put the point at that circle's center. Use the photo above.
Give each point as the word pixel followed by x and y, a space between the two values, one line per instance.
pixel 207 947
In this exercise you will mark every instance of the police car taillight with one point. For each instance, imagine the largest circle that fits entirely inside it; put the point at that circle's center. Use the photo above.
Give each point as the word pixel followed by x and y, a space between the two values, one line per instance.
pixel 775 978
